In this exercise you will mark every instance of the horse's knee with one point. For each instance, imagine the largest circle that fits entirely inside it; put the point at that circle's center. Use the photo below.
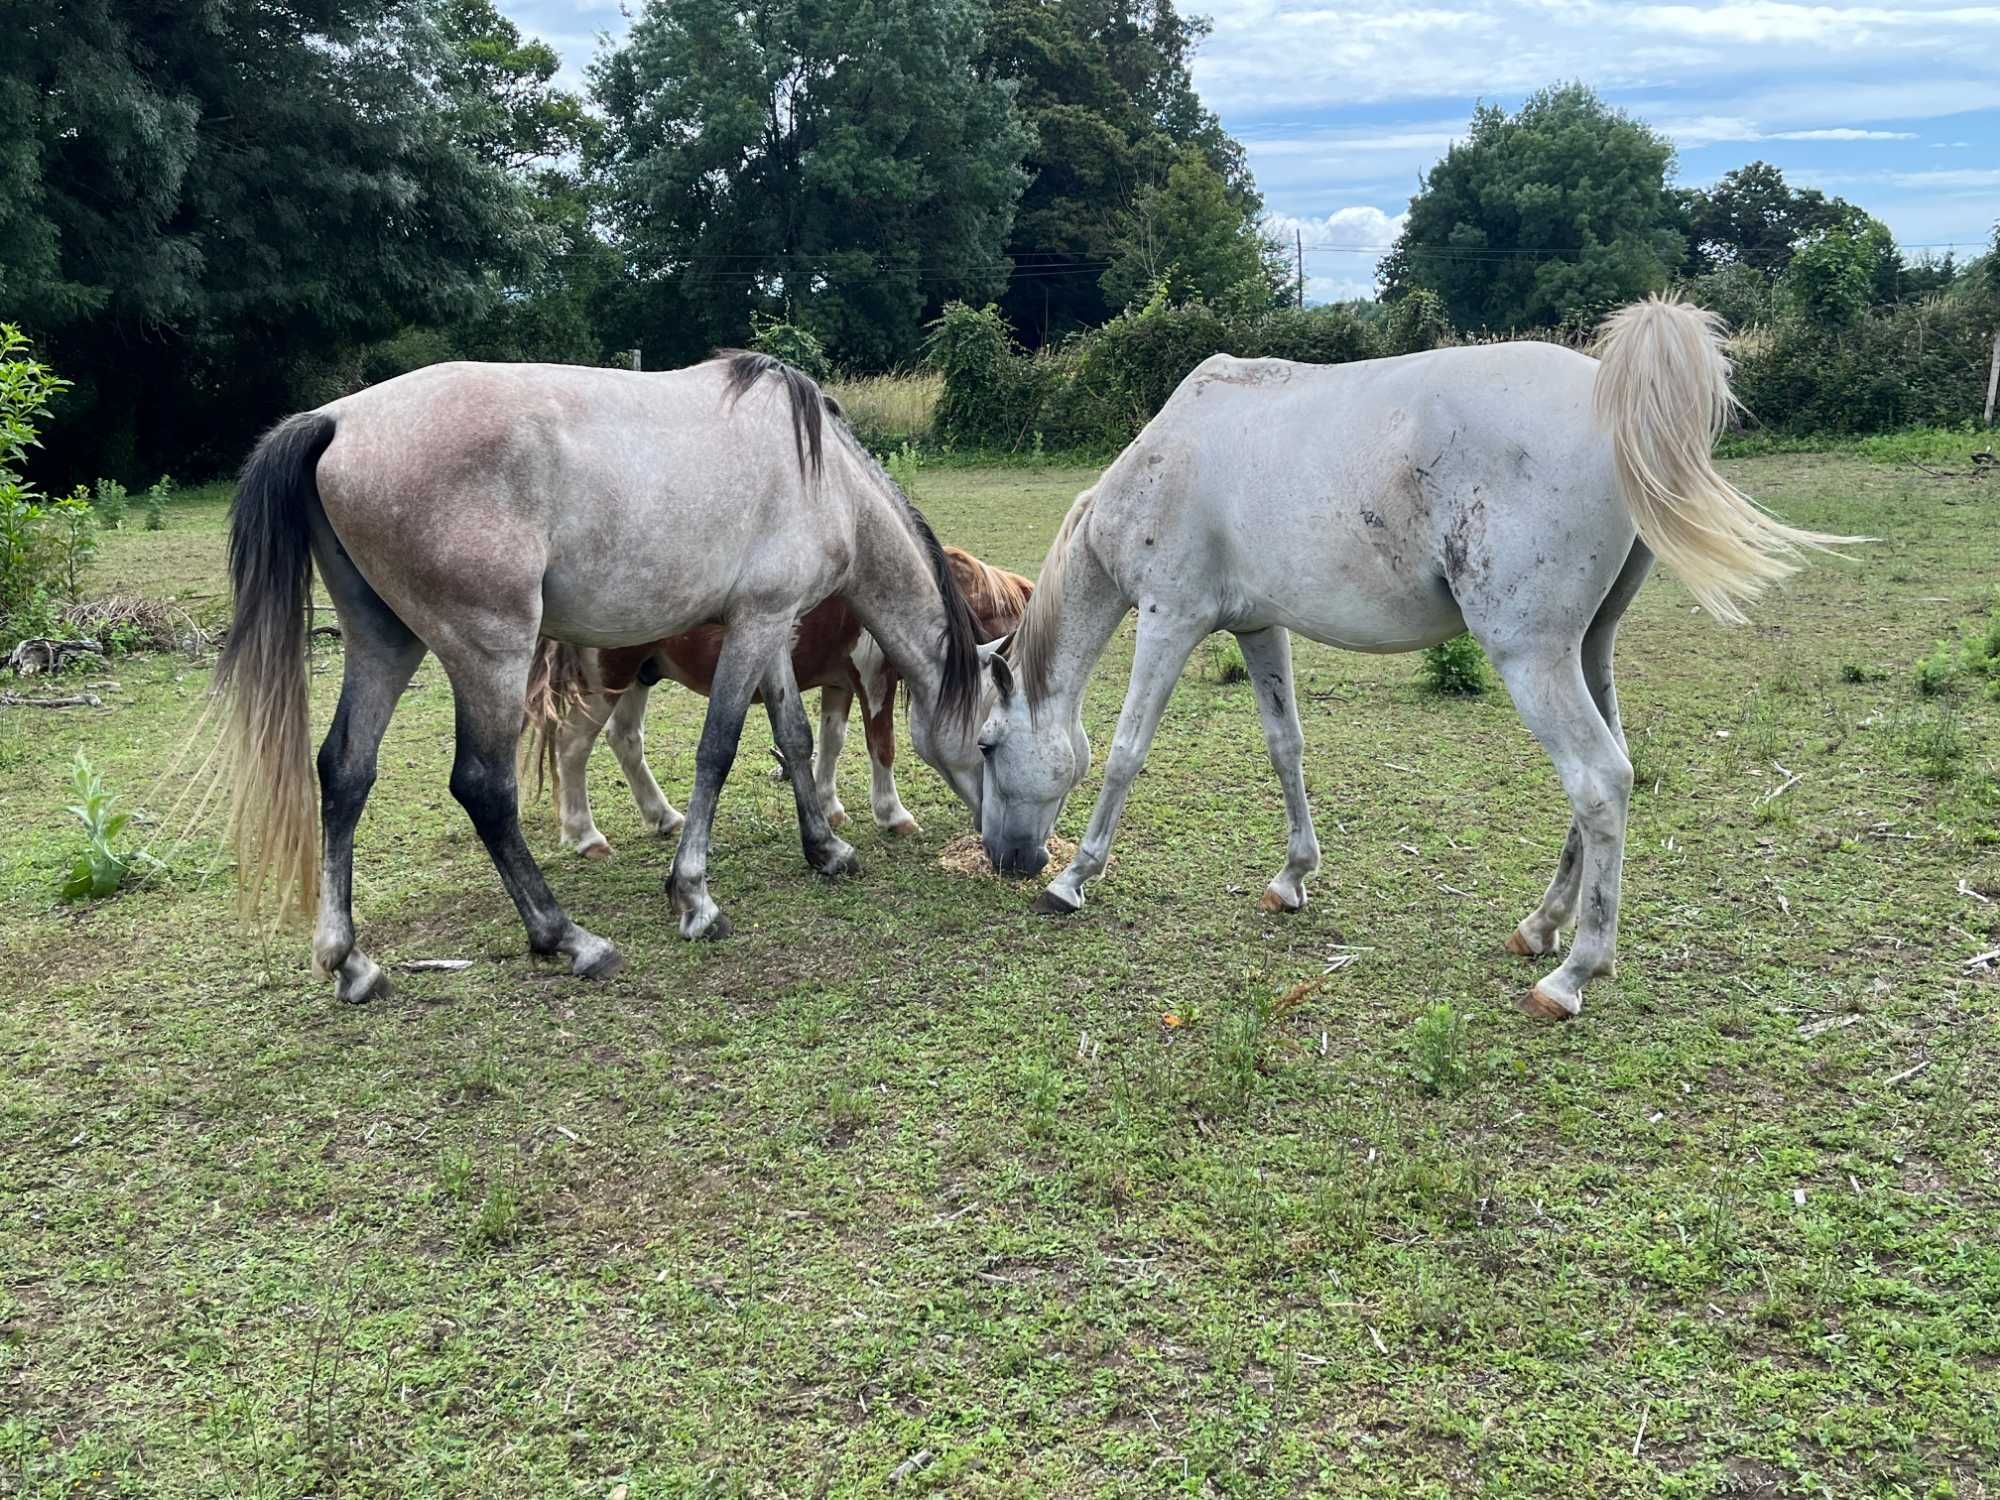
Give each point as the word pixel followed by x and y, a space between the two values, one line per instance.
pixel 484 790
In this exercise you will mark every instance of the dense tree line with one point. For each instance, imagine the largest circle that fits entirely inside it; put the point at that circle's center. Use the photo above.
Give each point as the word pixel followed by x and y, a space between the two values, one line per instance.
pixel 212 211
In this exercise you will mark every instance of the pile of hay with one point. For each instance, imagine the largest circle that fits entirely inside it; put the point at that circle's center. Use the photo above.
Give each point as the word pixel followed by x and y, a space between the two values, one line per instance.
pixel 133 624
pixel 965 855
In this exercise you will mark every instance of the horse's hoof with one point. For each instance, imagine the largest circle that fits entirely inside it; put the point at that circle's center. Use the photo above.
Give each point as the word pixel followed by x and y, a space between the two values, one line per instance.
pixel 1274 900
pixel 717 930
pixel 1545 1005
pixel 600 962
pixel 1521 948
pixel 597 848
pixel 903 828
pixel 670 825
pixel 361 980
pixel 1047 905
pixel 837 818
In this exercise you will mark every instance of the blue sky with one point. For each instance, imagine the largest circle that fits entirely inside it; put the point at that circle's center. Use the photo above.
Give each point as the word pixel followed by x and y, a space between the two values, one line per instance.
pixel 1894 106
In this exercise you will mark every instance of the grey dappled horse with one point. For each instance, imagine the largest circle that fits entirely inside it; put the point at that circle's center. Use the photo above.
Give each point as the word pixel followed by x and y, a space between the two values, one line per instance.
pixel 469 509
pixel 1519 491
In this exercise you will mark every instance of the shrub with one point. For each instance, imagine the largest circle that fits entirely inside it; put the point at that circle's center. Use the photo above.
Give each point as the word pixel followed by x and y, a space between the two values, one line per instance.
pixel 110 504
pixel 1917 363
pixel 157 497
pixel 903 465
pixel 796 346
pixel 1417 322
pixel 29 566
pixel 71 526
pixel 1454 668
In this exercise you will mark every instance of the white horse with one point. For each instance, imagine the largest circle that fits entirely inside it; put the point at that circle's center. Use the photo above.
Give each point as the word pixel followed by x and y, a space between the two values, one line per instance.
pixel 1519 491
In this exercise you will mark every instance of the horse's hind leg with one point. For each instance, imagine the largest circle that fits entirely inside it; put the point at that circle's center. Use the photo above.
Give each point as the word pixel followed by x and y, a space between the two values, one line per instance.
pixel 1268 655
pixel 490 690
pixel 380 655
pixel 1540 932
pixel 575 736
pixel 627 733
pixel 1549 689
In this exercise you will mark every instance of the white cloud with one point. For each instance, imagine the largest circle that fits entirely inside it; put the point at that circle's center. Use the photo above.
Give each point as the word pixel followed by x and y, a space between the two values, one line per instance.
pixel 1341 248
pixel 1841 133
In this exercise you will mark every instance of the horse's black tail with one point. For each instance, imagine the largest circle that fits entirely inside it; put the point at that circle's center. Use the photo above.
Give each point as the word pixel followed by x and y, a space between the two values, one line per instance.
pixel 274 811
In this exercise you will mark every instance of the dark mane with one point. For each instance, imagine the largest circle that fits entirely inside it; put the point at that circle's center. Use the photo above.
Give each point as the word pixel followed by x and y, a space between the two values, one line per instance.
pixel 958 641
pixel 809 403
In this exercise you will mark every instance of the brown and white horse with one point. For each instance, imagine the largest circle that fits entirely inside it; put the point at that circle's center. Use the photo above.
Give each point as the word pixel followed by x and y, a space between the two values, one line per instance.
pixel 830 652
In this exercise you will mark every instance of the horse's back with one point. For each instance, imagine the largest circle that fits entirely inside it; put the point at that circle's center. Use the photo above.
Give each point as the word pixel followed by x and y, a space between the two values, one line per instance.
pixel 1348 502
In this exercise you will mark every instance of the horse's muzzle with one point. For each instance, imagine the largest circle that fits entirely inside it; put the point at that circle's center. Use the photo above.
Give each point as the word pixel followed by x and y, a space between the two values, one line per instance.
pixel 1018 860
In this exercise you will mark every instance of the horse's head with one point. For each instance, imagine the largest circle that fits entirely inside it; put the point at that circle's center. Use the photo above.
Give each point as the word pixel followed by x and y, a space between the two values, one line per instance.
pixel 1030 762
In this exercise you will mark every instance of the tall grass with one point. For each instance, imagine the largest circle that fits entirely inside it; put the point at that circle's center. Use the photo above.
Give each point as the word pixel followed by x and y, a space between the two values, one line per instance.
pixel 887 411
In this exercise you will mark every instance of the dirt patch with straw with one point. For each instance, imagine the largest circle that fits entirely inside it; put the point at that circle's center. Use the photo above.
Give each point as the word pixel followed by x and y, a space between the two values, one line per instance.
pixel 965 855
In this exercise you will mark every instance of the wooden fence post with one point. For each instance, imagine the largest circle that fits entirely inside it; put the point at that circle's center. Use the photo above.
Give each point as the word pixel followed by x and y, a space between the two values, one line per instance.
pixel 1992 378
pixel 635 359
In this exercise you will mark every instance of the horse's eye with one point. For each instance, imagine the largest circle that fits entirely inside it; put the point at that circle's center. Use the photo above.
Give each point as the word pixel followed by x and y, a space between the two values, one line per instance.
pixel 986 748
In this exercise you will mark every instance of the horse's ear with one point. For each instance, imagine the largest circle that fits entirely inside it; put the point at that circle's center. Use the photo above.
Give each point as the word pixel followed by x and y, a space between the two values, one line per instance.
pixel 1003 673
pixel 997 647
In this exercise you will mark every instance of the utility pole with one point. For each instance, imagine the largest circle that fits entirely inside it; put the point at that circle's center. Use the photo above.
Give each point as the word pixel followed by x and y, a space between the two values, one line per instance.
pixel 1299 259
pixel 1992 379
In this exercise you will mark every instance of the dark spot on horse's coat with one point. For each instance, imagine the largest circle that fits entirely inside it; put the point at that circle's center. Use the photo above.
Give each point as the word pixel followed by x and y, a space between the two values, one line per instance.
pixel 1598 904
pixel 1373 518
pixel 1152 609
pixel 1154 460
pixel 1149 541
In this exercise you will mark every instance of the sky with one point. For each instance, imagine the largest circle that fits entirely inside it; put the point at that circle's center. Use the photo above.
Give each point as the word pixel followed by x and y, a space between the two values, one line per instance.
pixel 1894 106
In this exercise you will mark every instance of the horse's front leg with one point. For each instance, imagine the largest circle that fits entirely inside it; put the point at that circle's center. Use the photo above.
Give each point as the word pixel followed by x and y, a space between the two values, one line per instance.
pixel 825 850
pixel 1268 655
pixel 879 726
pixel 747 649
pixel 627 733
pixel 1164 645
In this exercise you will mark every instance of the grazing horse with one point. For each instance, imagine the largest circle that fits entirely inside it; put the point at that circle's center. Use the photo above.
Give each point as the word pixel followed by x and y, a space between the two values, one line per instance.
pixel 831 653
pixel 1519 491
pixel 471 509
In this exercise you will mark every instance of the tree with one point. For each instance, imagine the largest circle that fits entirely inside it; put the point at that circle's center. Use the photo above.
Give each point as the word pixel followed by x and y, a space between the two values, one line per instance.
pixel 210 193
pixel 1830 278
pixel 1104 86
pixel 1753 217
pixel 1187 236
pixel 851 168
pixel 1555 213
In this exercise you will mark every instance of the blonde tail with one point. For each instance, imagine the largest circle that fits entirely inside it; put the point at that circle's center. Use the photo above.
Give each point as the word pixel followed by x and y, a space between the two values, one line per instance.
pixel 1663 395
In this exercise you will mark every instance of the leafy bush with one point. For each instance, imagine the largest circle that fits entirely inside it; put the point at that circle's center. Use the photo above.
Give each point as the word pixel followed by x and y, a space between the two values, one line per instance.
pixel 1417 322
pixel 28 567
pixel 1099 388
pixel 71 526
pixel 1918 363
pixel 157 497
pixel 110 504
pixel 100 869
pixel 1454 668
pixel 903 465
pixel 796 346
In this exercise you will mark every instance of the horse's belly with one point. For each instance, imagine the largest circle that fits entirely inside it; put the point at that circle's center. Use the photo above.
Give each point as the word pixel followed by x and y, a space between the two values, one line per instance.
pixel 1377 589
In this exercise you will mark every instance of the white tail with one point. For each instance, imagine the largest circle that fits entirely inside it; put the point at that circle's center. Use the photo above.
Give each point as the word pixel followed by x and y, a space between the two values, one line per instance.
pixel 1663 395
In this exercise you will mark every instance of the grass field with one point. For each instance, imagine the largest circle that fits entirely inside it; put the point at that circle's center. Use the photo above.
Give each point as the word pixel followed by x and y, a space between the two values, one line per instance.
pixel 901 1191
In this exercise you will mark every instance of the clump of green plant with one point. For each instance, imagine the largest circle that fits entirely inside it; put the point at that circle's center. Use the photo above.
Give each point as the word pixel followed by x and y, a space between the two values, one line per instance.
pixel 1937 743
pixel 110 504
pixel 1455 668
pixel 99 870
pixel 72 530
pixel 157 496
pixel 1974 654
pixel 795 344
pixel 499 1221
pixel 1441 1051
pixel 1225 659
pixel 903 465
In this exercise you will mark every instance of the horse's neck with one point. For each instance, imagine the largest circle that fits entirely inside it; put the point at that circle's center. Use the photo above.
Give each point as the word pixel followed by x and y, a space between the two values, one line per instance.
pixel 893 591
pixel 1092 605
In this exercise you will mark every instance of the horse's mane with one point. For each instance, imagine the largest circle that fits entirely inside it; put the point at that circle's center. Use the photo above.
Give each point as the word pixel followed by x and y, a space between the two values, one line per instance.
pixel 809 403
pixel 1034 645
pixel 998 598
pixel 958 639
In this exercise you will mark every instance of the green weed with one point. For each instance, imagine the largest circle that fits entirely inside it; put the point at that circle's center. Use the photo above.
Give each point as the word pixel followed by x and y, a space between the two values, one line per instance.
pixel 99 869
pixel 1455 668
pixel 1441 1050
